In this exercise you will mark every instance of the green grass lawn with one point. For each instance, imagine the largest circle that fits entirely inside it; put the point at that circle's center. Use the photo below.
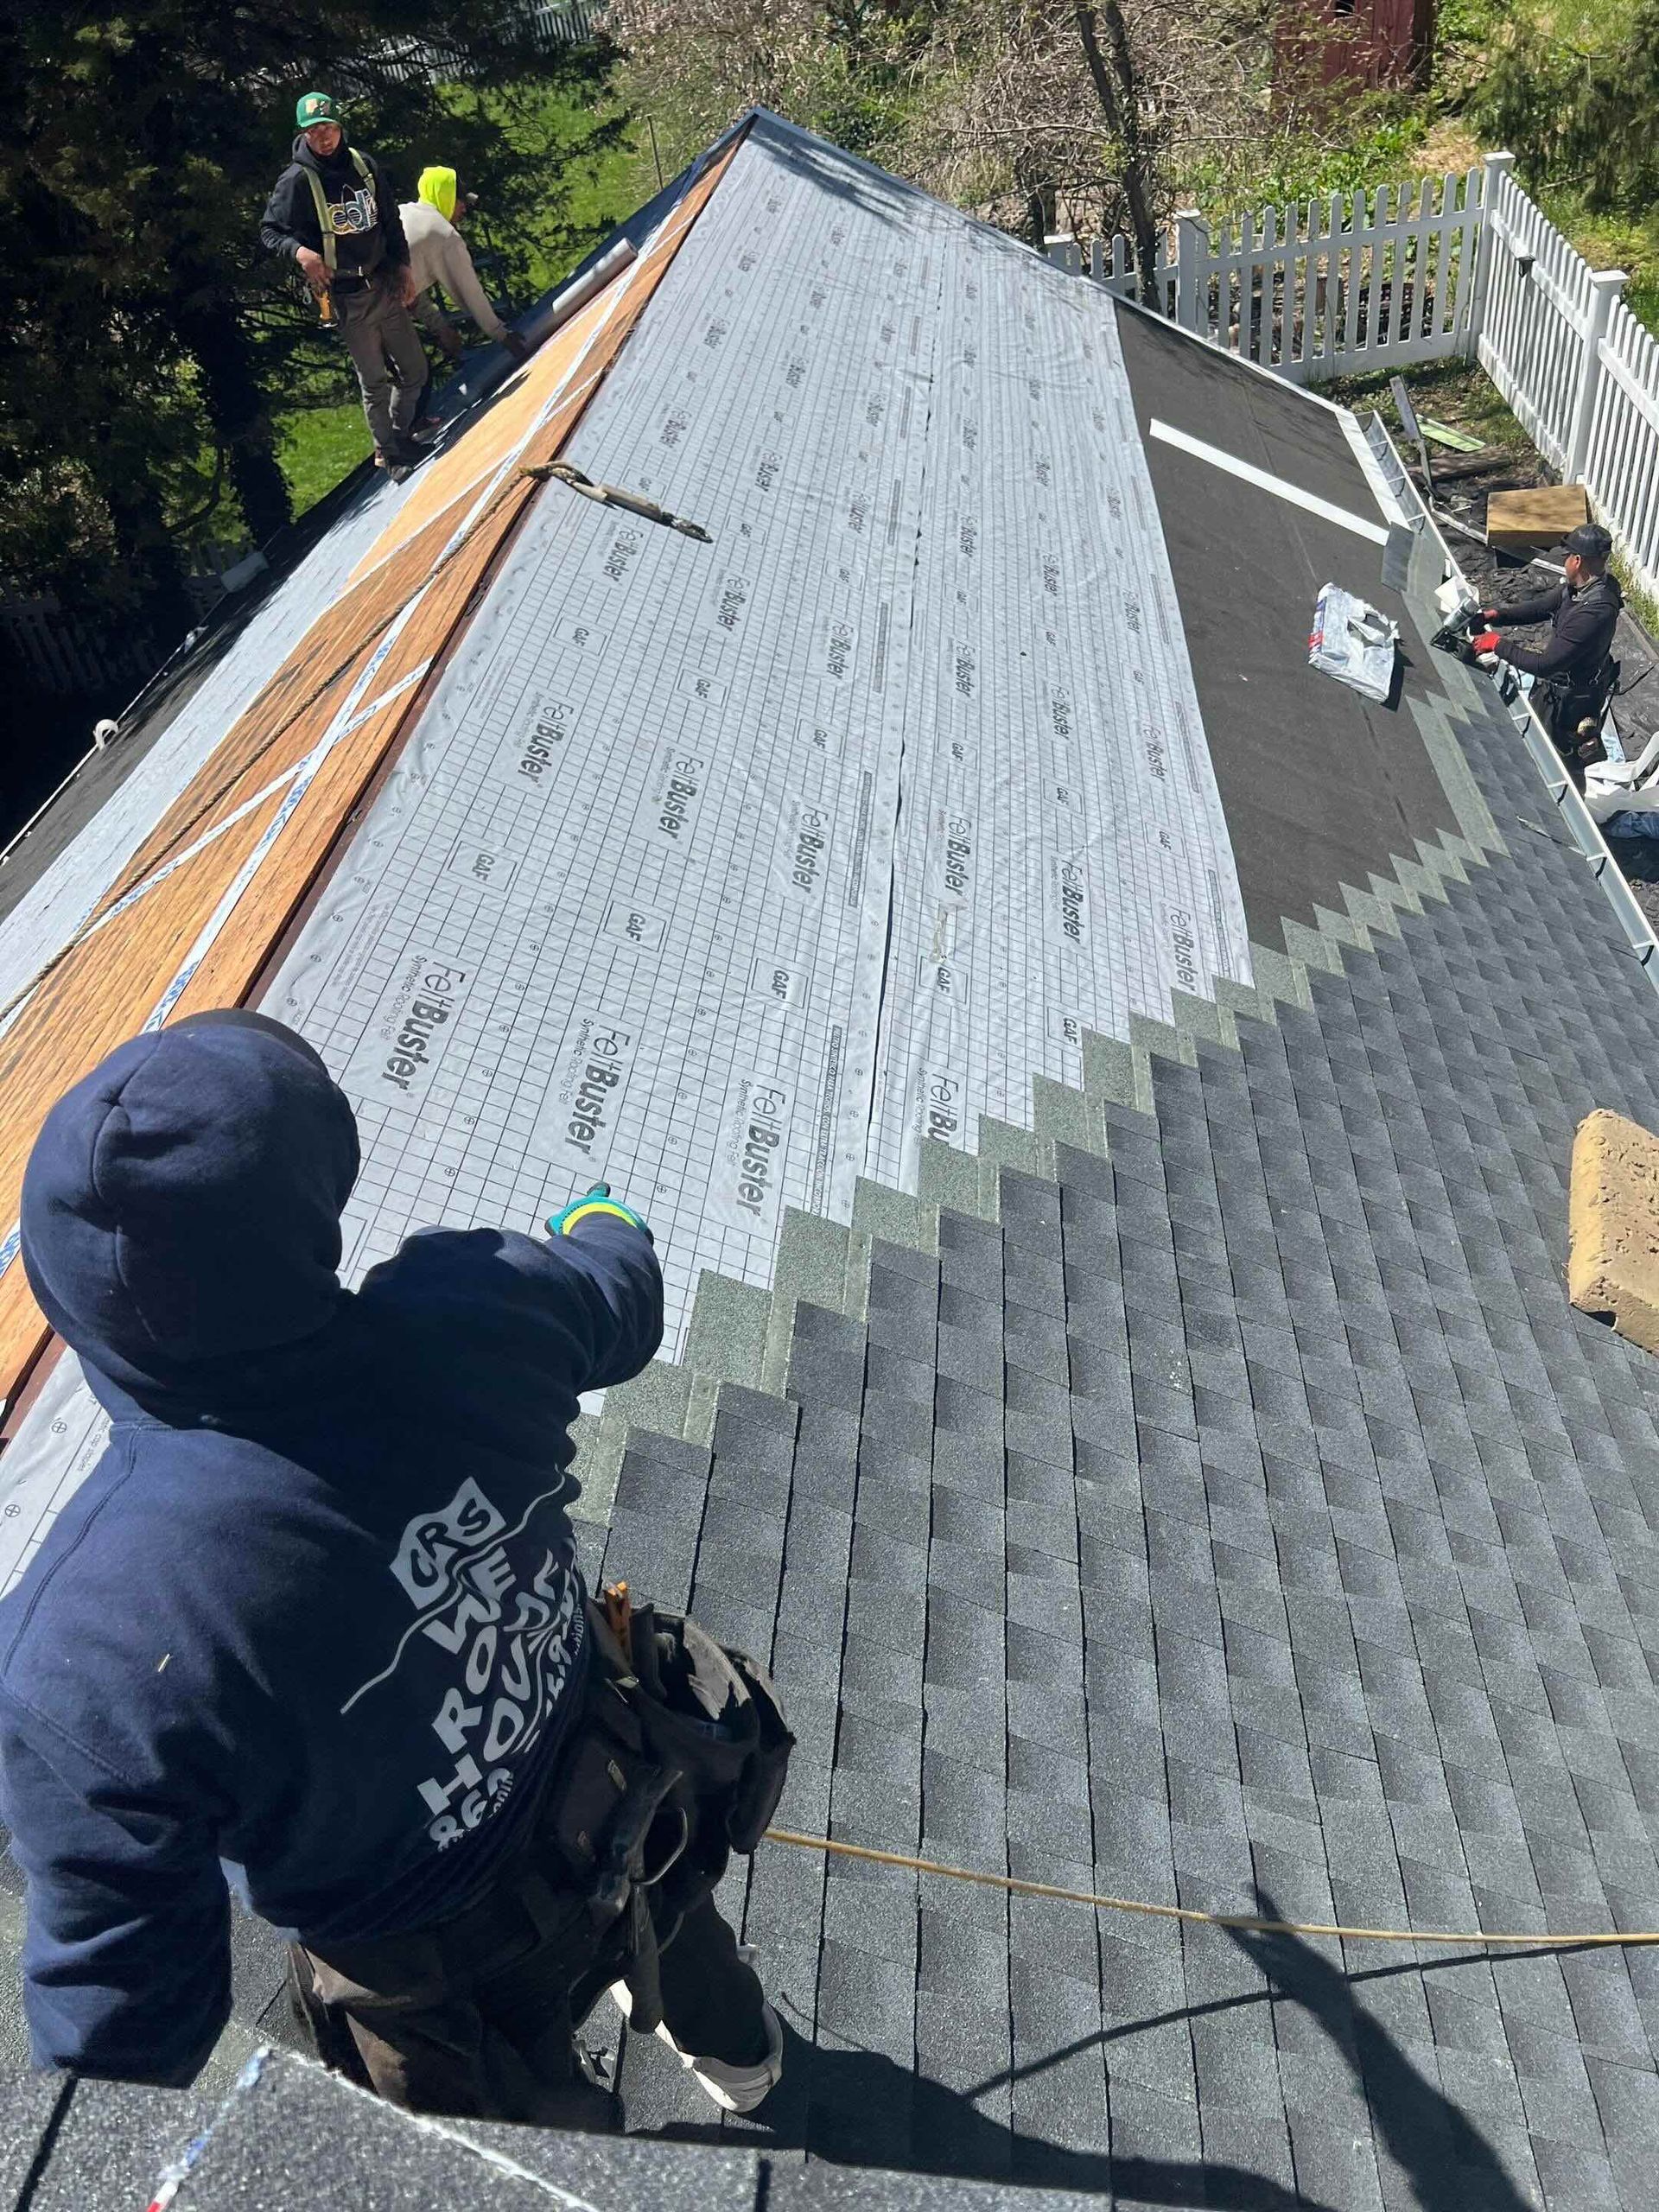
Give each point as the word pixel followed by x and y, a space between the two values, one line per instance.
pixel 319 445
pixel 1627 242
pixel 1455 392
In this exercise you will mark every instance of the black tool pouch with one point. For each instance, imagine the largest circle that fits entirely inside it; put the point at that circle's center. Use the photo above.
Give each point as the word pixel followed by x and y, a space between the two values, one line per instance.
pixel 761 1783
pixel 715 1714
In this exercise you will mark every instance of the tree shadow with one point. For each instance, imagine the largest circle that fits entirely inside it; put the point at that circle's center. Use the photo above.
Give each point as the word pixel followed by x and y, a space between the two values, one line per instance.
pixel 859 2109
pixel 1450 2162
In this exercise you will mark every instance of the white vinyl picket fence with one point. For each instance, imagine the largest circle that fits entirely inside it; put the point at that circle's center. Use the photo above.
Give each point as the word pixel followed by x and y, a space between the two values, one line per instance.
pixel 1439 269
pixel 1323 287
pixel 1580 372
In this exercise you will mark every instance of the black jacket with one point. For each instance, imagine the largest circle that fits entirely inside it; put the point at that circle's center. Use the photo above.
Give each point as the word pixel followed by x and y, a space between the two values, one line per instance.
pixel 1582 623
pixel 368 229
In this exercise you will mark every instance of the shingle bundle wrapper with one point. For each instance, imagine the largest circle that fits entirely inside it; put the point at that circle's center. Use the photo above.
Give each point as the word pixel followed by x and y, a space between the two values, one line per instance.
pixel 1354 643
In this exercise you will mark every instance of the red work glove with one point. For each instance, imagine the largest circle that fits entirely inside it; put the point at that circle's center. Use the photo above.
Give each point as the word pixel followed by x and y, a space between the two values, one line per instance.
pixel 1487 642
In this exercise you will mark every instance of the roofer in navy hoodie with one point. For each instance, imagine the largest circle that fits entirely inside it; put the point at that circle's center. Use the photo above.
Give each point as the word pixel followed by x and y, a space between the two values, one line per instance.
pixel 314 1622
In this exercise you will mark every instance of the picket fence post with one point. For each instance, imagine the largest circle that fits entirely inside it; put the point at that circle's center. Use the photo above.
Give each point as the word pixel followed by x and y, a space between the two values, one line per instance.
pixel 1494 167
pixel 1192 270
pixel 1607 285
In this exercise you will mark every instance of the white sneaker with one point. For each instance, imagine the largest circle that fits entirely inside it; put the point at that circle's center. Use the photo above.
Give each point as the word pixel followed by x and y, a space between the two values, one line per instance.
pixel 734 2088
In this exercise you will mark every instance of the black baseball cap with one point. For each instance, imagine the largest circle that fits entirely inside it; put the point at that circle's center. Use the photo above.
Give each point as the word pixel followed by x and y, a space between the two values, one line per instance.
pixel 1590 540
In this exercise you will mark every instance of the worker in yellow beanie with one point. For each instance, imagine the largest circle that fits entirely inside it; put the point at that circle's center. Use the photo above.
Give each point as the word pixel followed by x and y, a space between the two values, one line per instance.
pixel 438 254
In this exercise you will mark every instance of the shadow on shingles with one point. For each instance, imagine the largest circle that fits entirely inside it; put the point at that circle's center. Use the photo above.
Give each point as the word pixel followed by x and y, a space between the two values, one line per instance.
pixel 858 2108
pixel 1448 2160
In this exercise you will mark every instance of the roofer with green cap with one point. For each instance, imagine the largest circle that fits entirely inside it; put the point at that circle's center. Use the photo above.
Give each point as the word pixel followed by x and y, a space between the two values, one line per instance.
pixel 333 215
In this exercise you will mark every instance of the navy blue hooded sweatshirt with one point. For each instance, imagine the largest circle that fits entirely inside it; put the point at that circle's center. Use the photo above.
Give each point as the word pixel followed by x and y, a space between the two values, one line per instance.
pixel 315 1619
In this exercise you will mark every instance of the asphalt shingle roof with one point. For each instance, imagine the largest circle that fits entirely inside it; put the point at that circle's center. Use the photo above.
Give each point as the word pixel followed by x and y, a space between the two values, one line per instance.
pixel 1243 1519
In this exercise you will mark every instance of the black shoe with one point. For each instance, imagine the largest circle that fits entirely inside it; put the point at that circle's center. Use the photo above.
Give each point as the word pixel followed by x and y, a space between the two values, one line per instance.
pixel 400 456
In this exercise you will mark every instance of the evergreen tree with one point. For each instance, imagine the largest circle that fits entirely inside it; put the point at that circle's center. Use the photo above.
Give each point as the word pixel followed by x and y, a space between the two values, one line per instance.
pixel 142 144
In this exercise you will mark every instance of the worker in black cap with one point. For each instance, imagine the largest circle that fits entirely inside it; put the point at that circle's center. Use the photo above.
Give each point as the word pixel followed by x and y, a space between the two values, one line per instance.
pixel 1573 673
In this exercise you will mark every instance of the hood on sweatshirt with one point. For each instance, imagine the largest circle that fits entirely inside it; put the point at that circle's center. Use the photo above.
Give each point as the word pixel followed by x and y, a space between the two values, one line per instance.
pixel 324 163
pixel 180 1207
pixel 437 188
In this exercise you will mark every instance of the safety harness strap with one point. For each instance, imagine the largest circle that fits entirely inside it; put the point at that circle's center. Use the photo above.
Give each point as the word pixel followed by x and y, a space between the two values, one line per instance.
pixel 320 200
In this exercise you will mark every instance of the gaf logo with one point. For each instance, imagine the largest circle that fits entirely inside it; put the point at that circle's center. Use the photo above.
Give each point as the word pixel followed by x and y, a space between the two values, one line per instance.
pixel 747 1188
pixel 635 926
pixel 778 981
pixel 675 794
pixel 579 1114
pixel 482 869
pixel 942 1112
pixel 944 979
pixel 403 1045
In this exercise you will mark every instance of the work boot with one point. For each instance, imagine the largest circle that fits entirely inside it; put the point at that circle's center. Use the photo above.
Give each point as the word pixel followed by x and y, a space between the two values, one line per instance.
pixel 734 2088
pixel 399 458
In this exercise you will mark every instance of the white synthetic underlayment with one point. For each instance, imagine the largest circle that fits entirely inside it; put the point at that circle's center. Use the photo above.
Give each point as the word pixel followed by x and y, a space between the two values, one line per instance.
pixel 734 871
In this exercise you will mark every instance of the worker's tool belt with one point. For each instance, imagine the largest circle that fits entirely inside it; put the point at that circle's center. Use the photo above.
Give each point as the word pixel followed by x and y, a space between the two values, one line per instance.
pixel 1575 696
pixel 712 1754
pixel 677 1759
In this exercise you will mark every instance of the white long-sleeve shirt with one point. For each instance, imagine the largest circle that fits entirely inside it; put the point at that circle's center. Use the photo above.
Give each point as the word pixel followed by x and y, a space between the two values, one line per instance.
pixel 438 254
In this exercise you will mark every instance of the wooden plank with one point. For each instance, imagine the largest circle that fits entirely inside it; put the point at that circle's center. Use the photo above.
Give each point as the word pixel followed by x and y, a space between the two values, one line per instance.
pixel 105 988
pixel 1518 522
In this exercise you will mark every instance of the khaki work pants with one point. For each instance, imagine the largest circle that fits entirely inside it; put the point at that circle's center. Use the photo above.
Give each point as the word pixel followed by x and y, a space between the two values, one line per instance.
pixel 387 351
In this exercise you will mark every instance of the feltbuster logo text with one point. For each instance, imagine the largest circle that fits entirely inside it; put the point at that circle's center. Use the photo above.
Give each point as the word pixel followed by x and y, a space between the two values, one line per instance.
pixel 1071 901
pixel 748 1192
pixel 577 1123
pixel 942 1106
pixel 675 792
pixel 402 1045
pixel 595 1093
pixel 808 850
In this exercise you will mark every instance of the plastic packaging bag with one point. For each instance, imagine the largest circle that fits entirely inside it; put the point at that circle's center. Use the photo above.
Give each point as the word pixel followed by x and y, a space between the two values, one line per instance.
pixel 1354 643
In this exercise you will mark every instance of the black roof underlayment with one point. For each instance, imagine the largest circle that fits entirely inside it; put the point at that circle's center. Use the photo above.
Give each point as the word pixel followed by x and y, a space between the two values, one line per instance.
pixel 1207 1497
pixel 1317 790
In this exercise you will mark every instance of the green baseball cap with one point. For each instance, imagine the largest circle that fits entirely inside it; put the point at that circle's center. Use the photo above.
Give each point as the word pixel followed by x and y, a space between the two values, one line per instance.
pixel 316 107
